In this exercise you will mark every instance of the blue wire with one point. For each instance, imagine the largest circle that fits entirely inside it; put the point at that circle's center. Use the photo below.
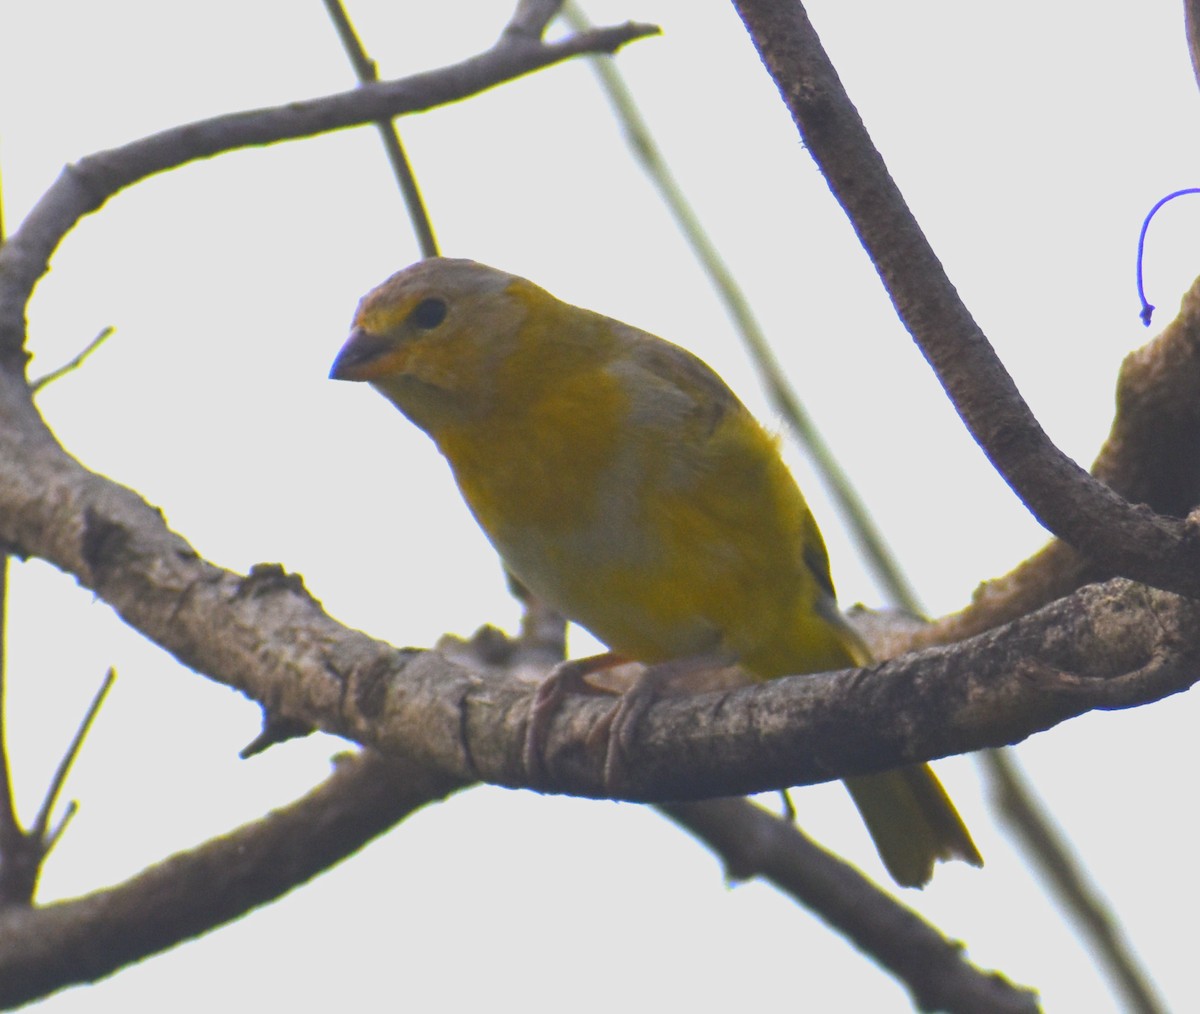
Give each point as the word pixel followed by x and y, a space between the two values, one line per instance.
pixel 1147 308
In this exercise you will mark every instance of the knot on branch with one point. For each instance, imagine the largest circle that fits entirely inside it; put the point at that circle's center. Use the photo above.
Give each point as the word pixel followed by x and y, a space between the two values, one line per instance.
pixel 105 544
pixel 270 579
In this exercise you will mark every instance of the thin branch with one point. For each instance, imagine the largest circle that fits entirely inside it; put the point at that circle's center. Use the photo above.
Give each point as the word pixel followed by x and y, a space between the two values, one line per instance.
pixel 1044 843
pixel 74 363
pixel 23 853
pixel 54 834
pixel 43 950
pixel 645 150
pixel 85 186
pixel 1161 551
pixel 756 843
pixel 42 822
pixel 368 72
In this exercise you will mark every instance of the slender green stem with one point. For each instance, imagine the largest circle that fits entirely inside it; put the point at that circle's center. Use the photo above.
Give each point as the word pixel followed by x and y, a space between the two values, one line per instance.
pixel 74 364
pixel 1026 818
pixel 367 71
pixel 42 823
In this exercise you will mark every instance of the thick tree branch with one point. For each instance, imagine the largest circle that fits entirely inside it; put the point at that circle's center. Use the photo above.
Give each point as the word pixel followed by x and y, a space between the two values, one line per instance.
pixel 85 185
pixel 46 949
pixel 1124 539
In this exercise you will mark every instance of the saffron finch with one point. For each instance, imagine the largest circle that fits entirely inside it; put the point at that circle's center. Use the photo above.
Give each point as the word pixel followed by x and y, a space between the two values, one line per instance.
pixel 625 484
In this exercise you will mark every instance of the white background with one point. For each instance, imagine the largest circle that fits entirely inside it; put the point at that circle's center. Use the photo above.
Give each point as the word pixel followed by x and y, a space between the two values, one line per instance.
pixel 1029 139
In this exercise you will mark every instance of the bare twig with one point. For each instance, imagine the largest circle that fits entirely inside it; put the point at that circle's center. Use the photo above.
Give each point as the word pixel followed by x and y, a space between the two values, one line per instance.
pixel 1063 873
pixel 23 853
pixel 74 364
pixel 368 72
pixel 42 822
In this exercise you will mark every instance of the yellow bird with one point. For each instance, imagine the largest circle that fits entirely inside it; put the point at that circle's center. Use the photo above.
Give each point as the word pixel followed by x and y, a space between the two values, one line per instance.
pixel 625 484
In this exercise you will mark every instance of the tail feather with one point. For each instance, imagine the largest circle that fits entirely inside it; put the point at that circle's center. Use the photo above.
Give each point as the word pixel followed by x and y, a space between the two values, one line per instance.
pixel 912 821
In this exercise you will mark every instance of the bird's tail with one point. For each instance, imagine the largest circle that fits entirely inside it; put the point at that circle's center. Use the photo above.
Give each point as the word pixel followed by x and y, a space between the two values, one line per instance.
pixel 912 822
pixel 911 818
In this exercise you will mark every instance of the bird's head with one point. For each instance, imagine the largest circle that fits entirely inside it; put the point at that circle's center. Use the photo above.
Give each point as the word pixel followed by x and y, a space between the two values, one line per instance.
pixel 430 338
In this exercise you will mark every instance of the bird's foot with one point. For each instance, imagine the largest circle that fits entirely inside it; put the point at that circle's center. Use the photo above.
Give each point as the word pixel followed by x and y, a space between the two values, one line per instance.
pixel 569 677
pixel 693 674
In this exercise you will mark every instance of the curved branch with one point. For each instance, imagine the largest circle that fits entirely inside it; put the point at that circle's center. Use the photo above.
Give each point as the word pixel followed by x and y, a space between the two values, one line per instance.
pixel 71 942
pixel 1122 538
pixel 1151 456
pixel 84 186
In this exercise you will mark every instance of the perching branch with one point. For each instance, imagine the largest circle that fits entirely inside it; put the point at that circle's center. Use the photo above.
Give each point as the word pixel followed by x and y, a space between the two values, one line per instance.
pixel 1107 646
pixel 1122 538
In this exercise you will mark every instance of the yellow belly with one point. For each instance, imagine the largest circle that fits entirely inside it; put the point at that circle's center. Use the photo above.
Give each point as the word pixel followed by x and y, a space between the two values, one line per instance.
pixel 662 547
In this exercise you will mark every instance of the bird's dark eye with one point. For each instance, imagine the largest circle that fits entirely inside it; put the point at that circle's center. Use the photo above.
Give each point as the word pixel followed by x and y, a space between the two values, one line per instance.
pixel 428 313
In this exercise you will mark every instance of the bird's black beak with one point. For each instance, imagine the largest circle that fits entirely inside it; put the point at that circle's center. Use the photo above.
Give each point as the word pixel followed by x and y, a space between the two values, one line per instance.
pixel 361 358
